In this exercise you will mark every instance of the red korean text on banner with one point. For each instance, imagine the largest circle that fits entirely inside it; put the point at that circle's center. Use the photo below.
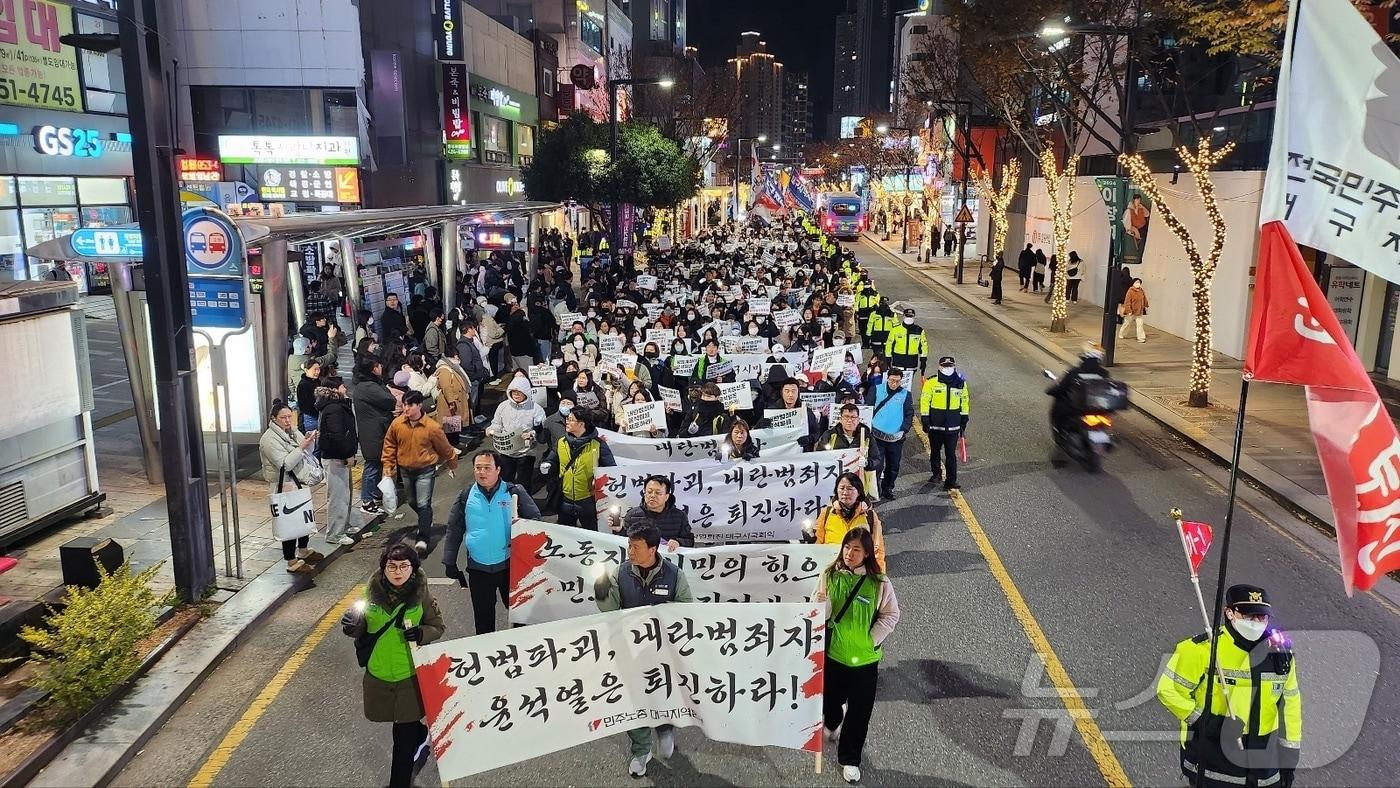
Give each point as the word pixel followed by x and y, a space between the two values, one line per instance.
pixel 1295 338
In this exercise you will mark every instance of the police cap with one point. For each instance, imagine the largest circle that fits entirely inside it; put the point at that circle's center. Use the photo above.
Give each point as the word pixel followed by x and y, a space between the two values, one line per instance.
pixel 1252 600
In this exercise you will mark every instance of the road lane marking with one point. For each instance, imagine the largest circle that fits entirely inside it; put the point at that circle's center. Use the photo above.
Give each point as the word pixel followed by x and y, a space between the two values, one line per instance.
pixel 221 754
pixel 1089 732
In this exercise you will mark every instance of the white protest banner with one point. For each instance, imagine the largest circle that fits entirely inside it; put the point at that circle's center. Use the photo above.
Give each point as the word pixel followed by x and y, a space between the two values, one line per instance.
pixel 546 375
pixel 760 306
pixel 787 418
pixel 663 337
pixel 757 500
pixel 568 319
pixel 628 450
pixel 654 310
pixel 552 569
pixel 642 416
pixel 786 318
pixel 748 673
pixel 828 359
pixel 682 366
pixel 737 395
pixel 609 343
pixel 753 345
pixel 512 443
pixel 819 401
pixel 719 369
pixel 670 395
pixel 645 282
pixel 845 299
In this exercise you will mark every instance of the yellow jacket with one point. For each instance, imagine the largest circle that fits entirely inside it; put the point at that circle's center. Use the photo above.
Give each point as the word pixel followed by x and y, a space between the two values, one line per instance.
pixel 832 527
pixel 1182 686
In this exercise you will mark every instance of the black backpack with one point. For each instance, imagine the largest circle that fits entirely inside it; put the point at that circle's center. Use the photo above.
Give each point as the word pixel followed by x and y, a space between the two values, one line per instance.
pixel 338 439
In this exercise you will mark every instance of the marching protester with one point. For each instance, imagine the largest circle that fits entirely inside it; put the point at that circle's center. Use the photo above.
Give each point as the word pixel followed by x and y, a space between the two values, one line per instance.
pixel 659 511
pixel 480 523
pixel 286 454
pixel 944 408
pixel 397 609
pixel 862 611
pixel 416 445
pixel 890 423
pixel 850 508
pixel 514 427
pixel 577 453
pixel 645 578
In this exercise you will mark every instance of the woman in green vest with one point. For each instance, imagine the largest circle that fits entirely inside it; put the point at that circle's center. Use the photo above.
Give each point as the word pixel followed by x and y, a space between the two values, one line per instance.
pixel 861 611
pixel 397 609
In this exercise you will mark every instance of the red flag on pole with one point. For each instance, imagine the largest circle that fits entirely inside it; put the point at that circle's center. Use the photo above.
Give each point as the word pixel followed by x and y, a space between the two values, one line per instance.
pixel 1196 538
pixel 1294 337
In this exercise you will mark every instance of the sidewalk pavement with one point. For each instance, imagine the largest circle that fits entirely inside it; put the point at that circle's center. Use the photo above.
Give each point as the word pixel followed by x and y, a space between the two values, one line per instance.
pixel 1278 451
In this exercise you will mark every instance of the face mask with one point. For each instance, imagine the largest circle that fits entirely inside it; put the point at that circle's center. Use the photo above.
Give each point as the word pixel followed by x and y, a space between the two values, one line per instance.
pixel 591 313
pixel 945 370
pixel 578 343
pixel 690 316
pixel 558 362
pixel 651 354
pixel 565 410
pixel 908 321
pixel 1249 629
pixel 678 349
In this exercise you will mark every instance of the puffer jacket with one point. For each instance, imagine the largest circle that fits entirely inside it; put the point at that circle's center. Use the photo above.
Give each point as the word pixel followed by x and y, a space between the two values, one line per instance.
pixel 281 448
pixel 374 411
pixel 672 522
pixel 513 419
pixel 397 701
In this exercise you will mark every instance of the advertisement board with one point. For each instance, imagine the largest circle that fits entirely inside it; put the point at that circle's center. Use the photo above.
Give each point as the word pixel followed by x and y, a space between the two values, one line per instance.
pixel 264 149
pixel 456 116
pixel 36 70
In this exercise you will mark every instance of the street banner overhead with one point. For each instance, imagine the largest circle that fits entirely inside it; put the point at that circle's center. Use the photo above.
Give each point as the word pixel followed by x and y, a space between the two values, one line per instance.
pixel 742 672
pixel 552 569
pixel 764 500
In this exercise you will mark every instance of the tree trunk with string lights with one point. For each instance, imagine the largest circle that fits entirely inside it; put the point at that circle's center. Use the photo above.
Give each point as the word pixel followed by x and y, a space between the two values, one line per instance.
pixel 999 201
pixel 1199 164
pixel 1059 186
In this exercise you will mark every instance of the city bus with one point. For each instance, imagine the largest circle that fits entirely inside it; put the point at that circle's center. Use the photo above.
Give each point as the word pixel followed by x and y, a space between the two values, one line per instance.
pixel 843 215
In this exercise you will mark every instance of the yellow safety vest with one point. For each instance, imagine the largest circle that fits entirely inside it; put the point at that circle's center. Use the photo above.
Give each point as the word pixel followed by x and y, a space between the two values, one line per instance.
pixel 576 480
pixel 900 342
pixel 939 396
pixel 1182 687
pixel 877 324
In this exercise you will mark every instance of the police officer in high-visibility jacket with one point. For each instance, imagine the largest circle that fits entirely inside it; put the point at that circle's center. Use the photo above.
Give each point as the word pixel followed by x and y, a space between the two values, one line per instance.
pixel 1243 738
pixel 907 345
pixel 945 408
pixel 878 325
pixel 866 300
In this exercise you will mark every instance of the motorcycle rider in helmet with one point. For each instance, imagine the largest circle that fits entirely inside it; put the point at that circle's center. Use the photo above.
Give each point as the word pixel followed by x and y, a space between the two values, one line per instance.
pixel 1064 414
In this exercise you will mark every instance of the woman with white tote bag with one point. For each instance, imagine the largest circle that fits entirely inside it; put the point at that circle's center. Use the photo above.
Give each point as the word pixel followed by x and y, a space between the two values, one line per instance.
pixel 286 455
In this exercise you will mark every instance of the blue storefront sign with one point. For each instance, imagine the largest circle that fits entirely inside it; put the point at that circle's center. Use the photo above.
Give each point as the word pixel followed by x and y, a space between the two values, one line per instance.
pixel 108 242
pixel 217 303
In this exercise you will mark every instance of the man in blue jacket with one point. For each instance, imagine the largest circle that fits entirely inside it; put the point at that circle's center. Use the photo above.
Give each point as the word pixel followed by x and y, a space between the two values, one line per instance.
pixel 481 516
pixel 890 423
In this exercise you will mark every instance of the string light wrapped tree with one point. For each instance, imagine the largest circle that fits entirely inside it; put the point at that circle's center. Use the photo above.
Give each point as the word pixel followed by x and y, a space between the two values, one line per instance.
pixel 1059 186
pixel 999 201
pixel 1203 266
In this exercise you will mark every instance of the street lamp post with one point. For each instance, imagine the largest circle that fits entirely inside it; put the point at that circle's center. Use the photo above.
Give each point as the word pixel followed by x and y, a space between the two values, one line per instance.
pixel 615 225
pixel 738 160
pixel 1053 31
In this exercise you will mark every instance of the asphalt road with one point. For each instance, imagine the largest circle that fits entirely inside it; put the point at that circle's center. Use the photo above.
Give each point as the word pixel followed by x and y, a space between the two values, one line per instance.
pixel 1054 566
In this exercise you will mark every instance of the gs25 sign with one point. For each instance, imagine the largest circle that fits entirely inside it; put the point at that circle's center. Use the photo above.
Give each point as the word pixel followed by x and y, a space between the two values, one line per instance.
pixel 63 141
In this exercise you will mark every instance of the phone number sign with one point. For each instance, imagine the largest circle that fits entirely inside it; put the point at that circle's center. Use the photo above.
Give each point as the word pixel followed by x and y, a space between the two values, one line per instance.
pixel 35 69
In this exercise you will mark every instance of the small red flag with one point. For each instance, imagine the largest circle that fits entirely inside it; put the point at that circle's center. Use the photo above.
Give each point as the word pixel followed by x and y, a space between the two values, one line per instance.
pixel 1196 538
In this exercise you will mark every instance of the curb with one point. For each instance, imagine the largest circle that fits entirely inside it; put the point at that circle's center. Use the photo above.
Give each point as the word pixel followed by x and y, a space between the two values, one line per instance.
pixel 103 750
pixel 1277 486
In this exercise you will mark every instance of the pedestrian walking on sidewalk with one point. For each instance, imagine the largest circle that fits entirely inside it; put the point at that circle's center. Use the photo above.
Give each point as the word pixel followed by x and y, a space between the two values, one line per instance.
pixel 949 238
pixel 416 445
pixel 645 578
pixel 286 452
pixel 1134 310
pixel 998 269
pixel 397 610
pixel 1054 271
pixel 862 611
pixel 1025 265
pixel 1038 272
pixel 1073 275
pixel 339 444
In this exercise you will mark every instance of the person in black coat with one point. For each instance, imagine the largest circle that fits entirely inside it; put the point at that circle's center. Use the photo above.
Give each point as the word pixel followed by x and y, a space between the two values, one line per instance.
pixel 374 409
pixel 659 509
pixel 1025 266
pixel 998 268
pixel 520 338
pixel 393 327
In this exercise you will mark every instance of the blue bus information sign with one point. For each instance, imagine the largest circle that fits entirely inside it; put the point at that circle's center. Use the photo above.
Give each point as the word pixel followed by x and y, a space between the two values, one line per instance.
pixel 217 303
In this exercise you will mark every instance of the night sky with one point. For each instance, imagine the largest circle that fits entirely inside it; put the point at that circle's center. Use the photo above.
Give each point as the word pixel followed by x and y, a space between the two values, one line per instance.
pixel 799 32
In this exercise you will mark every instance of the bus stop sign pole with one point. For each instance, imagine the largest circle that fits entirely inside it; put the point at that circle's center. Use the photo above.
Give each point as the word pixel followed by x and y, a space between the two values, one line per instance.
pixel 167 293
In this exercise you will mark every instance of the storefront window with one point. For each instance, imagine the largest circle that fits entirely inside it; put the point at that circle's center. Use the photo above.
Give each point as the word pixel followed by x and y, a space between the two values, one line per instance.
pixel 525 144
pixel 11 247
pixel 590 33
pixel 102 191
pixel 47 191
pixel 495 140
pixel 46 224
pixel 106 216
pixel 8 198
